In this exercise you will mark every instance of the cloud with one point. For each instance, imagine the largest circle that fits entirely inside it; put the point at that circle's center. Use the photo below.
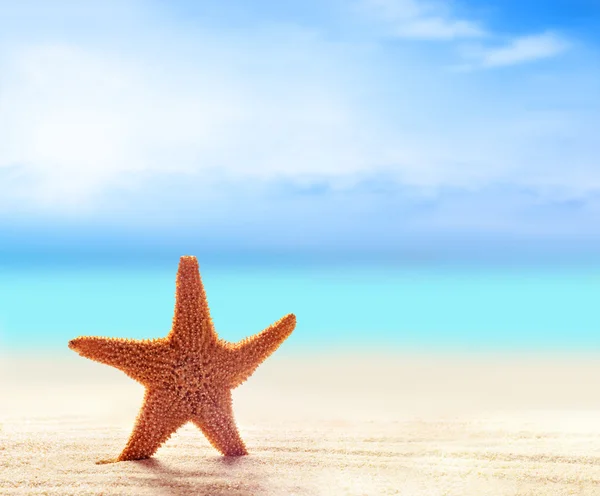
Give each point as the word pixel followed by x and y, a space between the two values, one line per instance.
pixel 427 20
pixel 422 20
pixel 170 122
pixel 438 28
pixel 74 120
pixel 523 49
pixel 375 216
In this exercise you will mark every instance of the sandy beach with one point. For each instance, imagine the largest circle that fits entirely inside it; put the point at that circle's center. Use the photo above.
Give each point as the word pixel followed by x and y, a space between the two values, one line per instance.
pixel 318 424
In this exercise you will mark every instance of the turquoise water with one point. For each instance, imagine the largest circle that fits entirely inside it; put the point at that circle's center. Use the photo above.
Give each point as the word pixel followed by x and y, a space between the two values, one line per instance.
pixel 457 308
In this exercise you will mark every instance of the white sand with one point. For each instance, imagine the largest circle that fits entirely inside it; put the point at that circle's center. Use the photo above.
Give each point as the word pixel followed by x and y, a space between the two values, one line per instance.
pixel 318 425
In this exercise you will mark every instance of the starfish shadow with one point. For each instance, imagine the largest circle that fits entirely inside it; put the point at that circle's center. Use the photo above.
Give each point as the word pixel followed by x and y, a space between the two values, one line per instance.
pixel 218 476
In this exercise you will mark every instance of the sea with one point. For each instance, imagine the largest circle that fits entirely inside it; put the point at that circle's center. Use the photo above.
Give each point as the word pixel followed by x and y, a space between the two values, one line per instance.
pixel 347 306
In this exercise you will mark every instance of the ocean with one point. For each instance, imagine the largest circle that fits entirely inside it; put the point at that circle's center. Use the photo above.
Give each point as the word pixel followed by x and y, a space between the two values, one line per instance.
pixel 425 307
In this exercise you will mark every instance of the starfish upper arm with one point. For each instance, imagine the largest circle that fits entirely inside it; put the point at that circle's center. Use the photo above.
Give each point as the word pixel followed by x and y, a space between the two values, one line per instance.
pixel 143 361
pixel 249 353
pixel 193 328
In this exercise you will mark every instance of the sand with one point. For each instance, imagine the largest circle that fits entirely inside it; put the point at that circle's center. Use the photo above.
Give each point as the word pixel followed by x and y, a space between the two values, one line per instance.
pixel 324 424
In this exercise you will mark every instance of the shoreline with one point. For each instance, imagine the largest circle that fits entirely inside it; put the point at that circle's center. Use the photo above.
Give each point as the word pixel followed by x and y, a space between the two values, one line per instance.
pixel 376 384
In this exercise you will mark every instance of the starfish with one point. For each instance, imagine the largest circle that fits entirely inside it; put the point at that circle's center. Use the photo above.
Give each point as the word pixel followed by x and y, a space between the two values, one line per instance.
pixel 189 374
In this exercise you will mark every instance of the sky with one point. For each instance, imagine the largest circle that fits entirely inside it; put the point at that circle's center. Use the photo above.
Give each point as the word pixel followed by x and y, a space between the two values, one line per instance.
pixel 362 126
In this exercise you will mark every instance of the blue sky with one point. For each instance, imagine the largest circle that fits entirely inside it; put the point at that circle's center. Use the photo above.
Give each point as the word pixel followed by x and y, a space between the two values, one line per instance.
pixel 340 126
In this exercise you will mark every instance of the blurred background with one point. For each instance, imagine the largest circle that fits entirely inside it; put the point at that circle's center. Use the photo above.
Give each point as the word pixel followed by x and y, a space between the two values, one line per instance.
pixel 401 174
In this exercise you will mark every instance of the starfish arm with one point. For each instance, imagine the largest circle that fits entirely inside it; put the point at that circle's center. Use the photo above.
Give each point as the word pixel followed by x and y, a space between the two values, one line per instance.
pixel 161 415
pixel 216 421
pixel 192 325
pixel 143 361
pixel 249 353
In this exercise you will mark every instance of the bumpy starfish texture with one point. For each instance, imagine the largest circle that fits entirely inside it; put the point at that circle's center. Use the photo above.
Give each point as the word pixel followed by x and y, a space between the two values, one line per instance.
pixel 189 374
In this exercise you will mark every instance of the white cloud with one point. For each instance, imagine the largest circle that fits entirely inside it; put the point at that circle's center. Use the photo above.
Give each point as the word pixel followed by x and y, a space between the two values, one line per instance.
pixel 423 20
pixel 88 124
pixel 516 51
pixel 75 121
pixel 431 20
pixel 524 49
pixel 438 28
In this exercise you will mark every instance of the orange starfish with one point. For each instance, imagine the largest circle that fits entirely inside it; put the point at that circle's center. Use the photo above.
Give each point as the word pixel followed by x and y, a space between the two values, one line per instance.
pixel 189 374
